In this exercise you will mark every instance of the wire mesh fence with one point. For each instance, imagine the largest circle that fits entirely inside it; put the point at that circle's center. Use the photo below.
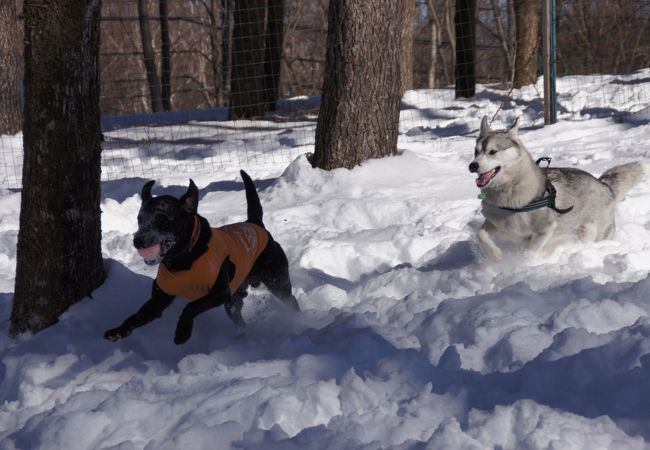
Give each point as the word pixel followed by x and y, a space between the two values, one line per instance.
pixel 213 83
pixel 603 52
pixel 187 79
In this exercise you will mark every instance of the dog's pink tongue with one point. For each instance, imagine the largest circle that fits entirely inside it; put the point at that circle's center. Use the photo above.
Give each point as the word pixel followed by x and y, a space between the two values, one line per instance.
pixel 484 178
pixel 149 253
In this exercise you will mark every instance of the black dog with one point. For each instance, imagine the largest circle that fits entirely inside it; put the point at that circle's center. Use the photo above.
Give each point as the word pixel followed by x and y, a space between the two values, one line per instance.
pixel 208 267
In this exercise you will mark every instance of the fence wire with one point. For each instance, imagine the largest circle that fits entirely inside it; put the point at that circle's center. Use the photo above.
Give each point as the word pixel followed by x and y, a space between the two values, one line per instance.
pixel 196 85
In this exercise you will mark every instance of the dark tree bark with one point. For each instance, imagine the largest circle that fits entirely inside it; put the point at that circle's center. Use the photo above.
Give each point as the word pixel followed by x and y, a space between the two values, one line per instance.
pixel 247 80
pixel 165 57
pixel 359 112
pixel 527 36
pixel 273 51
pixel 406 63
pixel 212 10
pixel 149 58
pixel 465 24
pixel 59 254
pixel 228 22
pixel 10 119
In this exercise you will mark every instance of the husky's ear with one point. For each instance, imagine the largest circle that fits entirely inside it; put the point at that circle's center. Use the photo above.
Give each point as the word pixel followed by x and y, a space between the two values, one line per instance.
pixel 190 200
pixel 514 128
pixel 485 128
pixel 146 191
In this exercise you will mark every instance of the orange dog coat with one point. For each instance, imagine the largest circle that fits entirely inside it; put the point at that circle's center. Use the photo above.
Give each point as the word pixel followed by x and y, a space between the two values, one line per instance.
pixel 242 242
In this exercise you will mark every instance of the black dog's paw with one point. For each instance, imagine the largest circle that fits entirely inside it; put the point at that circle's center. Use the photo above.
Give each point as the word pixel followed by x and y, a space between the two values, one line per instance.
pixel 240 330
pixel 292 303
pixel 115 334
pixel 183 332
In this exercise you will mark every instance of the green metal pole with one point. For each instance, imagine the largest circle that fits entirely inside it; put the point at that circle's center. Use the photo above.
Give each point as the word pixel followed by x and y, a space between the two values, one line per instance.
pixel 553 63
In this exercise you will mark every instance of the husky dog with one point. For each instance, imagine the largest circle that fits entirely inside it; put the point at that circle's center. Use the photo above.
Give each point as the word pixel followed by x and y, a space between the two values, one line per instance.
pixel 523 202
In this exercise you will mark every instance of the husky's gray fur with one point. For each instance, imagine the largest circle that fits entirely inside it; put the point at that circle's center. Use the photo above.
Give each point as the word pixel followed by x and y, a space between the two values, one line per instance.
pixel 509 178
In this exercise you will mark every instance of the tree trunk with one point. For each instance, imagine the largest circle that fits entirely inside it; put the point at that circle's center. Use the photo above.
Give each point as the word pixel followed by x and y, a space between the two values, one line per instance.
pixel 165 57
pixel 526 58
pixel 434 37
pixel 406 60
pixel 247 81
pixel 449 64
pixel 359 112
pixel 504 37
pixel 58 253
pixel 149 58
pixel 228 23
pixel 273 51
pixel 216 65
pixel 10 119
pixel 465 24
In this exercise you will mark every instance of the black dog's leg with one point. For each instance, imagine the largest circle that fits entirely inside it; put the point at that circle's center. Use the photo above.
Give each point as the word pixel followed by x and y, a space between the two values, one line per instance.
pixel 275 276
pixel 193 309
pixel 218 295
pixel 152 309
pixel 235 305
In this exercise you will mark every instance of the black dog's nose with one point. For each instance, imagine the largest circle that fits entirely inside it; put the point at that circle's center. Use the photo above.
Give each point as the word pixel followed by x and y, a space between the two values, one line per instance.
pixel 138 242
pixel 473 166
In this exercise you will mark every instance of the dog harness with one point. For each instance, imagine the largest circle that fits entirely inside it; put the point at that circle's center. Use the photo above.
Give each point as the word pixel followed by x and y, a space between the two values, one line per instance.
pixel 547 201
pixel 241 242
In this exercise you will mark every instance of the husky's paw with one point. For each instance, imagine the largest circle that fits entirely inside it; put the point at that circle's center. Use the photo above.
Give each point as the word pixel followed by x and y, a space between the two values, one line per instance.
pixel 536 250
pixel 490 249
pixel 495 255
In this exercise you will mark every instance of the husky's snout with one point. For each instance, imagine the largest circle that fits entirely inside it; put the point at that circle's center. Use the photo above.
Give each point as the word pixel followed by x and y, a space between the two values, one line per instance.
pixel 483 178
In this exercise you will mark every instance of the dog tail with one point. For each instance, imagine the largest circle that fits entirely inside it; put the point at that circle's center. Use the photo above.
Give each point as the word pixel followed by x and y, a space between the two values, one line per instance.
pixel 621 179
pixel 255 213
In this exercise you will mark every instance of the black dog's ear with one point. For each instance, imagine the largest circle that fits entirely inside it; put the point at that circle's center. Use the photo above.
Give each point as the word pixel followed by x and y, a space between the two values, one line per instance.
pixel 146 191
pixel 190 200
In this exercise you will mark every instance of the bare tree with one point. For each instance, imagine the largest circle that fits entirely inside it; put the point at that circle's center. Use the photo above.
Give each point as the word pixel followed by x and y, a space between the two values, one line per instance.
pixel 359 110
pixel 247 83
pixel 465 25
pixel 58 253
pixel 442 15
pixel 527 41
pixel 273 51
pixel 433 20
pixel 159 88
pixel 603 37
pixel 503 35
pixel 228 22
pixel 442 42
pixel 304 47
pixel 149 57
pixel 211 9
pixel 166 56
pixel 201 36
pixel 10 119
pixel 450 66
pixel 406 52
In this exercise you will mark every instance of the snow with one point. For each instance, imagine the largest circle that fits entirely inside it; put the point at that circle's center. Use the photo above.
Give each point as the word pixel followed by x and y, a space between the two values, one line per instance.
pixel 407 339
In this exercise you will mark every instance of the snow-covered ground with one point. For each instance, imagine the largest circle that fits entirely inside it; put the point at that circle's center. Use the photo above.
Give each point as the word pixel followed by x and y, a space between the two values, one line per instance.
pixel 407 339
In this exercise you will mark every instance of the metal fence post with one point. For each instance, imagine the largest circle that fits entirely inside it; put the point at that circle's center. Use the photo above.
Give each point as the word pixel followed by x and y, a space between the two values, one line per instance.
pixel 550 58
